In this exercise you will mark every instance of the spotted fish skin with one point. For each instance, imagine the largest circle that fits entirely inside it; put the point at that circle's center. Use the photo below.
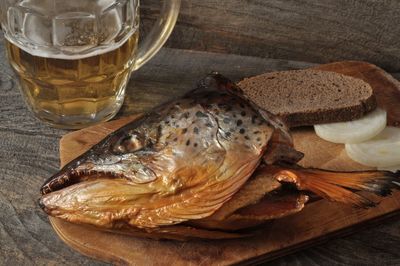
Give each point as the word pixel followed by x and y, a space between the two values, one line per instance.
pixel 181 161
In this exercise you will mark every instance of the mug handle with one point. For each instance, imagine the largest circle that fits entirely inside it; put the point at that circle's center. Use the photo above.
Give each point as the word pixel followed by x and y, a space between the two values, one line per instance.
pixel 159 33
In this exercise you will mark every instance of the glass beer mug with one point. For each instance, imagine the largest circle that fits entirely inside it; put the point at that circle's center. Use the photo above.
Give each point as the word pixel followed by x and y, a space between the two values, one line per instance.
pixel 74 58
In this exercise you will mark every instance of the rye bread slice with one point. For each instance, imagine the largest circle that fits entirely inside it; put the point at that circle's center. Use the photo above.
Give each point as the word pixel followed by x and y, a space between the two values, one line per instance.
pixel 309 97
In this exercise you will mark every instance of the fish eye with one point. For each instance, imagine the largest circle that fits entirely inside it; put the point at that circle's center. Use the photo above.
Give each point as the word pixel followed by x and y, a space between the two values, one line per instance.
pixel 128 144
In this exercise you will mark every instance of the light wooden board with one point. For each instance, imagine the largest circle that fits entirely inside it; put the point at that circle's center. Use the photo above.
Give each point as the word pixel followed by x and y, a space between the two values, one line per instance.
pixel 319 220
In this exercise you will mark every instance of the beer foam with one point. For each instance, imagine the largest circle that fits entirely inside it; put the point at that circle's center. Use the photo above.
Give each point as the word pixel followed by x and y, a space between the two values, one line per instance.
pixel 57 52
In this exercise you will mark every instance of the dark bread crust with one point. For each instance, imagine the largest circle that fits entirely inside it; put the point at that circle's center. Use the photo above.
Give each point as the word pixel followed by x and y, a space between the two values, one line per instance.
pixel 309 97
pixel 332 115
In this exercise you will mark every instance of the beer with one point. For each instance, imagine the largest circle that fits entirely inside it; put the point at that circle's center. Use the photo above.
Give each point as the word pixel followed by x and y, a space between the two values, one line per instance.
pixel 73 58
pixel 61 88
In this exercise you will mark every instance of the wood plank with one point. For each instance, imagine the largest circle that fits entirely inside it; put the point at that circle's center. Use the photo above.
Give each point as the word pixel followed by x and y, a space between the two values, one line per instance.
pixel 29 154
pixel 319 31
pixel 319 220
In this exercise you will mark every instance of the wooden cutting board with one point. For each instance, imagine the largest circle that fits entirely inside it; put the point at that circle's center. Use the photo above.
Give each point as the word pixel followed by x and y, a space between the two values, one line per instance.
pixel 319 221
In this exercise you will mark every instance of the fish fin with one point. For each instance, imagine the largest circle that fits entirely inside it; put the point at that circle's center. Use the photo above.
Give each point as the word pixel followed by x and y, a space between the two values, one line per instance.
pixel 280 146
pixel 280 149
pixel 279 124
pixel 339 186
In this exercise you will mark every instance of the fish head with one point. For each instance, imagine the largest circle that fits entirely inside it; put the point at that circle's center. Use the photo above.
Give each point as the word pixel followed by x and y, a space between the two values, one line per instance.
pixel 181 161
pixel 119 155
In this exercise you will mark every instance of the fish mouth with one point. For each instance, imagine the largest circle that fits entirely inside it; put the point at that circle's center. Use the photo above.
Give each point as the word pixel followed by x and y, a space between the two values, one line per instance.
pixel 67 178
pixel 71 176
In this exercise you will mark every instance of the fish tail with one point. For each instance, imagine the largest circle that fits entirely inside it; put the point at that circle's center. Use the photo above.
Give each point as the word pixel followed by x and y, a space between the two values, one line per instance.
pixel 340 186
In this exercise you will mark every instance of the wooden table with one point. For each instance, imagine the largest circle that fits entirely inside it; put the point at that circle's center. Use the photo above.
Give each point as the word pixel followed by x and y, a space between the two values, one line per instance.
pixel 29 154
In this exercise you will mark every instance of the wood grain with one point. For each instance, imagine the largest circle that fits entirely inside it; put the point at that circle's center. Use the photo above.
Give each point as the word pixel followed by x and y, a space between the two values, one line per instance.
pixel 319 31
pixel 29 154
pixel 319 220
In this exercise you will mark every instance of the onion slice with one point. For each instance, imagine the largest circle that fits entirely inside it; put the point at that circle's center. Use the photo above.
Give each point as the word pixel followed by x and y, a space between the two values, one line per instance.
pixel 381 151
pixel 355 131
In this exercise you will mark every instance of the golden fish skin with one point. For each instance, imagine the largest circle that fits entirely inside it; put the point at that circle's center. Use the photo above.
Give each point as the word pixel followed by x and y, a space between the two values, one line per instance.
pixel 180 162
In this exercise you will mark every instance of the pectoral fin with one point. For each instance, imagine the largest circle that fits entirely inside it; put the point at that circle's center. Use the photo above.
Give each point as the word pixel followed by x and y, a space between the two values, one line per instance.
pixel 339 186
